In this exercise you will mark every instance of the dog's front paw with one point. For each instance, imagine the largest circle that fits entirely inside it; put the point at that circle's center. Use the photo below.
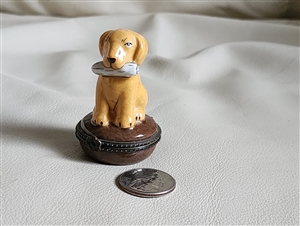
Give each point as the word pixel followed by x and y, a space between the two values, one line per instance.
pixel 140 116
pixel 125 122
pixel 100 120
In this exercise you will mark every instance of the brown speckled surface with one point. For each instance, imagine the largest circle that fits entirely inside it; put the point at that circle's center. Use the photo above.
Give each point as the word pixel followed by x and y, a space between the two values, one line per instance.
pixel 141 131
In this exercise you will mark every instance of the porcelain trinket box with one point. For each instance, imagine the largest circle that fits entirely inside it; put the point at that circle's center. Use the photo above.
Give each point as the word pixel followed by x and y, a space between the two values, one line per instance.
pixel 118 131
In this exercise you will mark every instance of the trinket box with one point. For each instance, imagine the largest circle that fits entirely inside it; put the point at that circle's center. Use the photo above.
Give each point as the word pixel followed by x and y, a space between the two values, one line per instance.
pixel 118 131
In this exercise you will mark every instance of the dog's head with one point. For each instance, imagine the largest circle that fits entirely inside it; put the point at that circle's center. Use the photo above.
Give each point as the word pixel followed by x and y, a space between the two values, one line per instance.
pixel 118 47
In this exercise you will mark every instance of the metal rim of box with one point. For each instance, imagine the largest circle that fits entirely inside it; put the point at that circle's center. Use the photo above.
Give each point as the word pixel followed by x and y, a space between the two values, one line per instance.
pixel 96 144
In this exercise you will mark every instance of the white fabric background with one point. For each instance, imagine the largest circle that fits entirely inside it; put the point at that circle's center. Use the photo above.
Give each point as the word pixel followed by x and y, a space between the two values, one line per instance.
pixel 238 9
pixel 225 93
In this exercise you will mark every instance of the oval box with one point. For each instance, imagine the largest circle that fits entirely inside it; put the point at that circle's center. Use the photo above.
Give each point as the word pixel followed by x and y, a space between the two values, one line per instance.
pixel 113 145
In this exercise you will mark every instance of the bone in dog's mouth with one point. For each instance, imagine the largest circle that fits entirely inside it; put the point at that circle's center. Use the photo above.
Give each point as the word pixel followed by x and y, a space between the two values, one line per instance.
pixel 128 70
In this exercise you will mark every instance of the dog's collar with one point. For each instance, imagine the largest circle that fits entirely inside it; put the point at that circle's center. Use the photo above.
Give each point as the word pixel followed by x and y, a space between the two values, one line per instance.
pixel 128 70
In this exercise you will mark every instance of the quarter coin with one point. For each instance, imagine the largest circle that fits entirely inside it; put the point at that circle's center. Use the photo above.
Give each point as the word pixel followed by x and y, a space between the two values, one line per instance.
pixel 145 182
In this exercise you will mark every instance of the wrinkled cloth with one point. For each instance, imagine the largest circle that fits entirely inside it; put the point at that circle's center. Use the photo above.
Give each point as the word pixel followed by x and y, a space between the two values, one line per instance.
pixel 288 9
pixel 224 91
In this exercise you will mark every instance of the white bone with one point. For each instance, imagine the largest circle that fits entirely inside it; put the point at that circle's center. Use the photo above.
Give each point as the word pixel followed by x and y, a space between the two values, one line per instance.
pixel 128 70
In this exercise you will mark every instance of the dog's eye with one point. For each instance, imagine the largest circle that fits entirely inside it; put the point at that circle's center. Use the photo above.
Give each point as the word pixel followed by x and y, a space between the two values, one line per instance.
pixel 128 44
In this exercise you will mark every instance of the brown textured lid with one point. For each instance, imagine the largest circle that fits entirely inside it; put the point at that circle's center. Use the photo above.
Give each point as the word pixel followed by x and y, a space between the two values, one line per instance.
pixel 141 131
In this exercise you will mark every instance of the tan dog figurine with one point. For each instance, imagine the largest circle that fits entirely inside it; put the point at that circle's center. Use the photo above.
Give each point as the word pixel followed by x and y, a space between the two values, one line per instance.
pixel 121 98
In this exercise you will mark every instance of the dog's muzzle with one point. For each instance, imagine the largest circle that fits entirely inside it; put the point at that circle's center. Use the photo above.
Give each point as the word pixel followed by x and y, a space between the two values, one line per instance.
pixel 128 70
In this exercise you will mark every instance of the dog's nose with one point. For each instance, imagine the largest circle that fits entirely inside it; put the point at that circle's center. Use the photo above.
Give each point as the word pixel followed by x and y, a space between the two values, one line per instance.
pixel 111 60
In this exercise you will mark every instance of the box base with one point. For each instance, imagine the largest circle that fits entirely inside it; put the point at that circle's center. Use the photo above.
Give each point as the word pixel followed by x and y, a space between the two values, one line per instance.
pixel 117 146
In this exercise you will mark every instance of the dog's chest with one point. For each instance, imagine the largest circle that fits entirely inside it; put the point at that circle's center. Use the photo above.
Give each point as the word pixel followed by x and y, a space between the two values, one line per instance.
pixel 114 87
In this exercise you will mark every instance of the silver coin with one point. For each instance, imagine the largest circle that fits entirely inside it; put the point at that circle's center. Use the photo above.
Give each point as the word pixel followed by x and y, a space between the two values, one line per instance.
pixel 146 182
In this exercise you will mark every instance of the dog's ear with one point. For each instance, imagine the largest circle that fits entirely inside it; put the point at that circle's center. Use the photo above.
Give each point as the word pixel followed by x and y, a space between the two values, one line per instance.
pixel 141 49
pixel 102 39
